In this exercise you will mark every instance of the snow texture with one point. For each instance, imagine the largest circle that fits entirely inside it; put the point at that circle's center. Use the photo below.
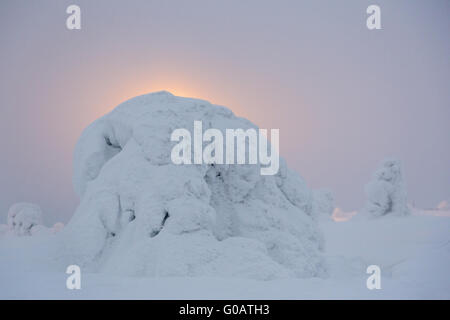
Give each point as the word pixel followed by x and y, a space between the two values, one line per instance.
pixel 412 252
pixel 140 214
pixel 386 192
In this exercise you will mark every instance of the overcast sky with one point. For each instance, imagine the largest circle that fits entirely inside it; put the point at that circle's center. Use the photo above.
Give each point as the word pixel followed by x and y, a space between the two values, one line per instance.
pixel 342 96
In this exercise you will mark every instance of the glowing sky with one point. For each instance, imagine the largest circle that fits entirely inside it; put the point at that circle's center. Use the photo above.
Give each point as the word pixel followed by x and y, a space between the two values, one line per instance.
pixel 342 96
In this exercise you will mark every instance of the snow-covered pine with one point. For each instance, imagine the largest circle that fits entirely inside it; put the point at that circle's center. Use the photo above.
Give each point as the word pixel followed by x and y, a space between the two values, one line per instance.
pixel 386 192
pixel 142 215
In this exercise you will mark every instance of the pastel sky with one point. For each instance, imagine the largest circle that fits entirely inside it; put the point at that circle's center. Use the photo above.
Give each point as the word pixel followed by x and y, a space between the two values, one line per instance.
pixel 343 97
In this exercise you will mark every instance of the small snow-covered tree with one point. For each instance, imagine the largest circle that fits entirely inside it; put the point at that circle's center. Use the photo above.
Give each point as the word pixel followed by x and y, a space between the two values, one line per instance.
pixel 386 192
pixel 23 217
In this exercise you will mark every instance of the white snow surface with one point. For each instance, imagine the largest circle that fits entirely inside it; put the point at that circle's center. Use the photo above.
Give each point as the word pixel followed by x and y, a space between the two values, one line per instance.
pixel 140 214
pixel 413 253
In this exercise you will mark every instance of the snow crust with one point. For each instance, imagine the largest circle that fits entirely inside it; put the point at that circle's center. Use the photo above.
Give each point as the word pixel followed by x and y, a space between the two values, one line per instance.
pixel 140 214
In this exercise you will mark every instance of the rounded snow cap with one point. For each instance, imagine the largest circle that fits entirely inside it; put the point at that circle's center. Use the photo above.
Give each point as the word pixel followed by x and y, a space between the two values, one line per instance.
pixel 142 214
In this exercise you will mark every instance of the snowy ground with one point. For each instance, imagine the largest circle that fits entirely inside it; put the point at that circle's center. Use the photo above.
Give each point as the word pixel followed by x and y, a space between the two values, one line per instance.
pixel 412 252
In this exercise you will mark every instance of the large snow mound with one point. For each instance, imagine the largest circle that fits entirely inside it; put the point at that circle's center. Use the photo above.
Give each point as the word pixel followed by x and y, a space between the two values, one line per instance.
pixel 140 214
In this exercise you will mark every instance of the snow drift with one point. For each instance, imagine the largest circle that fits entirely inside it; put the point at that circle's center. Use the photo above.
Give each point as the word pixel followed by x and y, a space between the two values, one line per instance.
pixel 142 215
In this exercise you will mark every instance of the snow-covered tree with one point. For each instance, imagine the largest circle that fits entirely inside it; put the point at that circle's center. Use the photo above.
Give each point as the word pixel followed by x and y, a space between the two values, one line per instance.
pixel 142 214
pixel 386 192
pixel 23 217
